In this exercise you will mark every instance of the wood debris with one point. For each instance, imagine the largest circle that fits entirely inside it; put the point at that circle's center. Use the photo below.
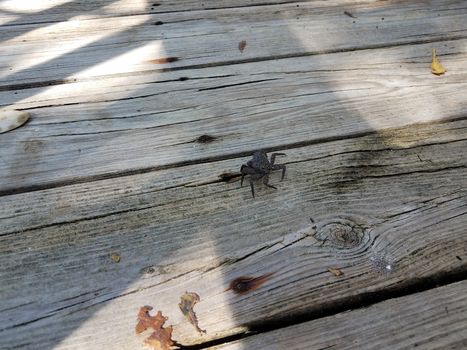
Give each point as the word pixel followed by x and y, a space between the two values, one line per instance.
pixel 187 302
pixel 115 257
pixel 241 46
pixel 347 13
pixel 161 338
pixel 335 271
pixel 163 60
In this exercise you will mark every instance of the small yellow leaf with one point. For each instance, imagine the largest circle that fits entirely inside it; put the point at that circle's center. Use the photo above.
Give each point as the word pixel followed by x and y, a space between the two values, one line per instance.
pixel 436 67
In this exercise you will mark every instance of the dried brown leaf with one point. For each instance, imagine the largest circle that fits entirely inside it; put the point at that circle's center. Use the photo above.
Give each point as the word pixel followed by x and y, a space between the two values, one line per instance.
pixel 187 302
pixel 241 46
pixel 335 271
pixel 161 338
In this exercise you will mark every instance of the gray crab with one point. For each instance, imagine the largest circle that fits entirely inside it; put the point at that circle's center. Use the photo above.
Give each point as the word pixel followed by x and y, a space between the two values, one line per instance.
pixel 259 167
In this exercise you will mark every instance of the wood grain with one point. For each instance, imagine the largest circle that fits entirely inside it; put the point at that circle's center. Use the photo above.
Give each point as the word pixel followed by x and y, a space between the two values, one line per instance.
pixel 42 55
pixel 139 124
pixel 123 188
pixel 435 319
pixel 395 197
pixel 49 11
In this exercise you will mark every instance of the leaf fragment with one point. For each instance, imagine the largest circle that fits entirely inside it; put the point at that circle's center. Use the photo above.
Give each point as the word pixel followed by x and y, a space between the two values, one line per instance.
pixel 12 119
pixel 187 302
pixel 161 338
pixel 436 67
pixel 335 271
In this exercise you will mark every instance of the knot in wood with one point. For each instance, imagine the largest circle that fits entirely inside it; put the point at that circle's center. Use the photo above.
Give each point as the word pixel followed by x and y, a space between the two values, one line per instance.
pixel 342 234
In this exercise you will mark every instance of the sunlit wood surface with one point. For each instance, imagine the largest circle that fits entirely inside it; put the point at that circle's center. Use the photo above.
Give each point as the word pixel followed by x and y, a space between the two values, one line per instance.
pixel 123 189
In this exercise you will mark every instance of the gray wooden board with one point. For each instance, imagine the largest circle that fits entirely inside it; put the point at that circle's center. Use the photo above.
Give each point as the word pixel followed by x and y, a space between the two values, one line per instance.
pixel 394 197
pixel 143 122
pixel 39 54
pixel 17 12
pixel 435 319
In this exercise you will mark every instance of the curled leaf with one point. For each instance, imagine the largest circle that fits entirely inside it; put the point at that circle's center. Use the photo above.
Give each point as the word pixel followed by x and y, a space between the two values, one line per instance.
pixel 335 271
pixel 11 119
pixel 161 338
pixel 436 67
pixel 187 302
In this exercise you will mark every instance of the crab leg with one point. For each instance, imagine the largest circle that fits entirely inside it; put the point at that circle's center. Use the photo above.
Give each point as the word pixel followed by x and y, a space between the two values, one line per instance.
pixel 273 157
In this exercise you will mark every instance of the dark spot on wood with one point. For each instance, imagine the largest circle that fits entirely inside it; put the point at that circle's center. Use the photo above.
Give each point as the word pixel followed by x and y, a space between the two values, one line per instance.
pixel 156 4
pixel 382 18
pixel 241 46
pixel 458 257
pixel 347 13
pixel 183 78
pixel 158 23
pixel 229 177
pixel 148 270
pixel 206 139
pixel 314 227
pixel 376 27
pixel 245 284
pixel 446 309
pixel 164 60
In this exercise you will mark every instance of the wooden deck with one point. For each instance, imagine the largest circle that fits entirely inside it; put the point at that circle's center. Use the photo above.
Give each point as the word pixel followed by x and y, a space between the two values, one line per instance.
pixel 123 189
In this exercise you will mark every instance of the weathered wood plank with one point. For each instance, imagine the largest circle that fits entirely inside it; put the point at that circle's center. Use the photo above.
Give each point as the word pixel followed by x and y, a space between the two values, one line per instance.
pixel 65 51
pixel 15 12
pixel 130 193
pixel 155 121
pixel 435 319
pixel 389 198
